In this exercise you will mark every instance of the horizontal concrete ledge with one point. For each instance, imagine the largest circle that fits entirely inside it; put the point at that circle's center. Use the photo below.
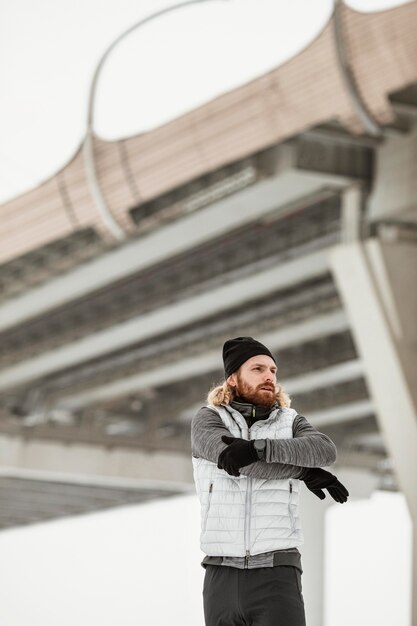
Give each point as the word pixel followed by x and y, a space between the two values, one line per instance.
pixel 96 480
pixel 333 375
pixel 343 413
pixel 94 464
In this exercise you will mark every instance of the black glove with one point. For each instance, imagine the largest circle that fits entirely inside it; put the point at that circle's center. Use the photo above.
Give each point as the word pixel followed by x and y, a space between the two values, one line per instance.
pixel 240 452
pixel 316 478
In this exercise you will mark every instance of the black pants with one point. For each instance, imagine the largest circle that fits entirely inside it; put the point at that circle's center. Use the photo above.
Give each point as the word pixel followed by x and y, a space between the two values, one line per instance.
pixel 263 596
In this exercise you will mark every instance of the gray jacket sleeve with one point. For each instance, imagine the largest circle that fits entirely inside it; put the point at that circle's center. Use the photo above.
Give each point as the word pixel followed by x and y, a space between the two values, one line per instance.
pixel 207 429
pixel 308 448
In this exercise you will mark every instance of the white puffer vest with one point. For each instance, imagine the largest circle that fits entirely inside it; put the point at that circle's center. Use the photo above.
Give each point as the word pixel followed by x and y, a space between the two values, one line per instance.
pixel 244 516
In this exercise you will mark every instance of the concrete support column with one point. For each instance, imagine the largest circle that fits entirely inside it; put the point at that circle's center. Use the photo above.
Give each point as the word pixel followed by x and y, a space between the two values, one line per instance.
pixel 312 512
pixel 360 485
pixel 414 577
pixel 377 282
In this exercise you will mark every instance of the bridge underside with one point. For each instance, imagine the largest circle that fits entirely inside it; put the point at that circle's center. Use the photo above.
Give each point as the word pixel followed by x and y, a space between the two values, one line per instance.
pixel 108 351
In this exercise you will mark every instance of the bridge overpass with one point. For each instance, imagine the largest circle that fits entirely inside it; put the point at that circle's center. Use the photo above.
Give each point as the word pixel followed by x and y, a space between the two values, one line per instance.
pixel 273 211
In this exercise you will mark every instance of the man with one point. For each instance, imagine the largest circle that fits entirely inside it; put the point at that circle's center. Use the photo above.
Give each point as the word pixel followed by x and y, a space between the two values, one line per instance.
pixel 250 451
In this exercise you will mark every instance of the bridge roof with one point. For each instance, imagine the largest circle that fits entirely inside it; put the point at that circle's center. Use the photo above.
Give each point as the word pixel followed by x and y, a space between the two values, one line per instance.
pixel 306 91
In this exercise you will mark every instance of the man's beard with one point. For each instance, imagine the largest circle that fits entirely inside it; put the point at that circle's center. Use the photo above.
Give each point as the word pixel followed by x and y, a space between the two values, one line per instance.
pixel 254 395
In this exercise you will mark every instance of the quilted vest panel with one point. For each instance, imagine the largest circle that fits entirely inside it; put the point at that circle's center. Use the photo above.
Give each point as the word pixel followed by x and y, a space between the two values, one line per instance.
pixel 241 515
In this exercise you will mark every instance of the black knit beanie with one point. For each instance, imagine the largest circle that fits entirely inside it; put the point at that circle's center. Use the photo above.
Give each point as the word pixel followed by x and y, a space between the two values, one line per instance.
pixel 237 351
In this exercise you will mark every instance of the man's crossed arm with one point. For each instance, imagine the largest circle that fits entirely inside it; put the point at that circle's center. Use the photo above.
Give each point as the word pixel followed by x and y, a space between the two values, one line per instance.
pixel 300 457
pixel 285 458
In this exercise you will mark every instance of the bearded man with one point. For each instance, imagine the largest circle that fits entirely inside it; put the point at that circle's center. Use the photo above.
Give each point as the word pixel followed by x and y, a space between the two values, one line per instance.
pixel 250 451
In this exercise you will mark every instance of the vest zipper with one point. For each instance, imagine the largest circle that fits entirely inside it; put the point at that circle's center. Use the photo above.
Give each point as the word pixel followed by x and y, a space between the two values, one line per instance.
pixel 248 500
pixel 248 512
pixel 289 507
pixel 208 505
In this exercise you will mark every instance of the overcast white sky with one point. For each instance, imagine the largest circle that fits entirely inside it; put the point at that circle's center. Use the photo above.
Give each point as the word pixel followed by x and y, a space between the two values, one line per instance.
pixel 91 570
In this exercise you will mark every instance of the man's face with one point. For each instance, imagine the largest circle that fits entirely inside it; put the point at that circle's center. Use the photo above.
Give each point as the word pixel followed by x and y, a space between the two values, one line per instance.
pixel 255 380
